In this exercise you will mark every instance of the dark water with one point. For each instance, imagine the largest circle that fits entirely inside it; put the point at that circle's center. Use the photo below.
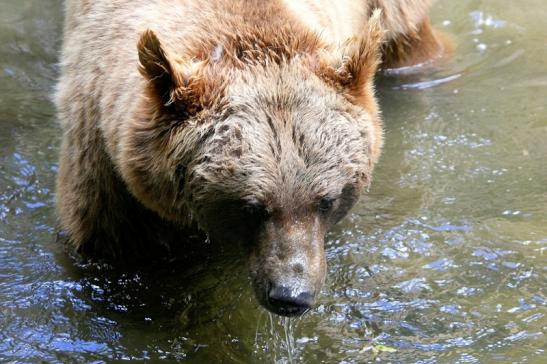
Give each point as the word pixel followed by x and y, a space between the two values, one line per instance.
pixel 445 261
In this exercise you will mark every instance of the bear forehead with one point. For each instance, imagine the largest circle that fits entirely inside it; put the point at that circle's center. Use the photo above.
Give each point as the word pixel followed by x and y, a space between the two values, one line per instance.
pixel 271 130
pixel 267 154
pixel 287 106
pixel 283 133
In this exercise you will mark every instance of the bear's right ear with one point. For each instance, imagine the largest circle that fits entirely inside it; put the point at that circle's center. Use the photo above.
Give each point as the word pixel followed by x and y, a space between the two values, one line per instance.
pixel 174 82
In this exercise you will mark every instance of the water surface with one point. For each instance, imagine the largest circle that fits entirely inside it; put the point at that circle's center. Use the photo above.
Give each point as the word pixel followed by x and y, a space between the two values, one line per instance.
pixel 445 260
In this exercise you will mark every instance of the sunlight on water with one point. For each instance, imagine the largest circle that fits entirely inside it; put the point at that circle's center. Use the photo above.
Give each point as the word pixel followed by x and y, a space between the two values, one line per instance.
pixel 444 260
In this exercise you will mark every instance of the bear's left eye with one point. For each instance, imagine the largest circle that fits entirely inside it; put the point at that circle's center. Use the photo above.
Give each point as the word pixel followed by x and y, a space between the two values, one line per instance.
pixel 325 205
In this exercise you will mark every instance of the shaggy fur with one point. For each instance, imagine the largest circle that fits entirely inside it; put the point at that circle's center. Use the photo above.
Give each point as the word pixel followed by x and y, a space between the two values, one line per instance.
pixel 245 118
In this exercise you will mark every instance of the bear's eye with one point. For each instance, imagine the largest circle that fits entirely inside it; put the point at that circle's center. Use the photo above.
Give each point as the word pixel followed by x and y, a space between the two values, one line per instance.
pixel 257 210
pixel 325 205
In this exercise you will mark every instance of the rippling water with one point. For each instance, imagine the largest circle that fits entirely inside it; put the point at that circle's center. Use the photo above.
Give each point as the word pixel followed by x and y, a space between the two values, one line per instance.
pixel 445 260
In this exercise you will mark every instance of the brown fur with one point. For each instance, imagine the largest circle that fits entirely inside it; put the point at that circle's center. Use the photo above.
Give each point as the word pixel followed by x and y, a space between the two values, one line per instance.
pixel 421 46
pixel 238 117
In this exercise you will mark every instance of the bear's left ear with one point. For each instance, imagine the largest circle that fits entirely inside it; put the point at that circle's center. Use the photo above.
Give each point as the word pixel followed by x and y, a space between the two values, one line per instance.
pixel 352 67
pixel 172 80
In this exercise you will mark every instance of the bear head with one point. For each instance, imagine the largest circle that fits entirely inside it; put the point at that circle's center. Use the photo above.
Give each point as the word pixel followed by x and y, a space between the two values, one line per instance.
pixel 269 152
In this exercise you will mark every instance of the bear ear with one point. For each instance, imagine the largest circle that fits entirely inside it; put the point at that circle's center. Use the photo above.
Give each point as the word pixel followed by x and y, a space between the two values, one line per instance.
pixel 171 80
pixel 352 67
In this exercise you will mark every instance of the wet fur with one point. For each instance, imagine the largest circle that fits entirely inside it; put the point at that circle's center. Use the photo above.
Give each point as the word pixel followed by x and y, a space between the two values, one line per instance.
pixel 189 113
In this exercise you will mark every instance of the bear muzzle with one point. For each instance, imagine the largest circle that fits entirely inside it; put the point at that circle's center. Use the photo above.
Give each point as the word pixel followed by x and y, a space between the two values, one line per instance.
pixel 288 266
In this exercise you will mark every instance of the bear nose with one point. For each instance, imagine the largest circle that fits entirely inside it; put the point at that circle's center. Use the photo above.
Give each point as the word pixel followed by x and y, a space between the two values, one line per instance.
pixel 284 302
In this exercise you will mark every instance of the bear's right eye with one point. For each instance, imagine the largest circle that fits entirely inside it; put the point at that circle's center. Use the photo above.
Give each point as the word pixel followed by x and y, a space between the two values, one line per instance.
pixel 257 210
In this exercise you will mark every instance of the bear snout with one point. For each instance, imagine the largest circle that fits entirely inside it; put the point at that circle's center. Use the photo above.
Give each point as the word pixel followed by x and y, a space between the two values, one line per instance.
pixel 288 265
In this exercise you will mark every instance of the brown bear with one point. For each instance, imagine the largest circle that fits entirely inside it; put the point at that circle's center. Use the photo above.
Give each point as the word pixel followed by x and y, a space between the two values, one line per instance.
pixel 253 120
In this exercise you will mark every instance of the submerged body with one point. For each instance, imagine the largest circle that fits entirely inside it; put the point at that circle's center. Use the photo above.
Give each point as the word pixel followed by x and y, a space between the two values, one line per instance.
pixel 247 119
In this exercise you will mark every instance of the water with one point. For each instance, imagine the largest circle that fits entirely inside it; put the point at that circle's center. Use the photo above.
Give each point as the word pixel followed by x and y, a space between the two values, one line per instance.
pixel 445 261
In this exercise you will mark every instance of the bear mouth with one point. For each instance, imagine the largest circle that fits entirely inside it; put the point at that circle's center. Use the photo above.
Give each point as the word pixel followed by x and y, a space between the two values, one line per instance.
pixel 288 311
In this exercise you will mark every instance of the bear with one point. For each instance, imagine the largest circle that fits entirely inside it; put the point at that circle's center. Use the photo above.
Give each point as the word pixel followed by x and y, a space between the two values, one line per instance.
pixel 252 121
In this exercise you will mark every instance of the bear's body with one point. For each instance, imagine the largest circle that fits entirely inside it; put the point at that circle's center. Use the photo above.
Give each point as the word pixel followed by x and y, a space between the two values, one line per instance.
pixel 184 112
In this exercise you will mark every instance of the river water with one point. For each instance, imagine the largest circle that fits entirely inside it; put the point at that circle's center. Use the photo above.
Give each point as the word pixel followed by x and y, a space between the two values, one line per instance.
pixel 444 261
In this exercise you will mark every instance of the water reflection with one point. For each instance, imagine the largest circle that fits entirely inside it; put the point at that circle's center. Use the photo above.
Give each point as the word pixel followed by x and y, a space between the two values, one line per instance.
pixel 443 261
